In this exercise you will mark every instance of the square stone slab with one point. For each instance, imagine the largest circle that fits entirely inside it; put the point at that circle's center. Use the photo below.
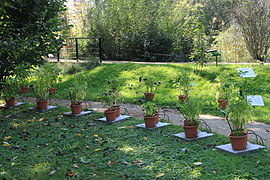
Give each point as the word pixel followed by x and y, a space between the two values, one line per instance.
pixel 49 108
pixel 158 125
pixel 250 147
pixel 201 135
pixel 120 118
pixel 82 113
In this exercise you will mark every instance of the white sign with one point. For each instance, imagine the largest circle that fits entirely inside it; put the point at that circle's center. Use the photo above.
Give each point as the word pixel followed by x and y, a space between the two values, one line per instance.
pixel 255 100
pixel 246 72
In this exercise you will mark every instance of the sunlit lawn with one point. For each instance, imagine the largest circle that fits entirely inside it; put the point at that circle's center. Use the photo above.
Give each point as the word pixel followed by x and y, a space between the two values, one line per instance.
pixel 48 145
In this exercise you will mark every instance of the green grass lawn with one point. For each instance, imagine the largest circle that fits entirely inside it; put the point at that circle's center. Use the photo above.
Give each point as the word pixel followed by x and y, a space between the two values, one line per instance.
pixel 39 144
pixel 204 89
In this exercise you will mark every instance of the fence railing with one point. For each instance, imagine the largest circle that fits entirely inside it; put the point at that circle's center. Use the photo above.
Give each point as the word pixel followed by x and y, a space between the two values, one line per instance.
pixel 73 48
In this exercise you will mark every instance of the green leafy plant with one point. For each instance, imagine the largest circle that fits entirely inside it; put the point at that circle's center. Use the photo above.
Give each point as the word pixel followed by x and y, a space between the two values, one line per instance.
pixel 109 98
pixel 150 82
pixel 42 83
pixel 53 71
pixel 149 109
pixel 183 83
pixel 190 110
pixel 9 88
pixel 224 87
pixel 22 73
pixel 77 91
pixel 239 113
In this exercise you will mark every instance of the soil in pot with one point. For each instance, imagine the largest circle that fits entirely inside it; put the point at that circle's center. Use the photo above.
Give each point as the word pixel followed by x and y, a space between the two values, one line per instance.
pixel 191 131
pixel 150 122
pixel 182 98
pixel 110 115
pixel 76 108
pixel 52 90
pixel 223 103
pixel 149 96
pixel 42 105
pixel 23 90
pixel 238 142
pixel 117 109
pixel 10 102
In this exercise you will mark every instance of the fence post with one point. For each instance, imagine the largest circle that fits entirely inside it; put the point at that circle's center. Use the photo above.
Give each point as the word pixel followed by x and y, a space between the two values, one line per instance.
pixel 58 55
pixel 100 50
pixel 77 50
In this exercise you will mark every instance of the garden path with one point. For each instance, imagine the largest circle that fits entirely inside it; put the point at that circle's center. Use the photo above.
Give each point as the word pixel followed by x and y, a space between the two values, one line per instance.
pixel 218 124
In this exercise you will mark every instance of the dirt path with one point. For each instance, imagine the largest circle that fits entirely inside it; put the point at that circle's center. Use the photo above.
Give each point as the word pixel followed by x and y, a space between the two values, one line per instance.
pixel 218 124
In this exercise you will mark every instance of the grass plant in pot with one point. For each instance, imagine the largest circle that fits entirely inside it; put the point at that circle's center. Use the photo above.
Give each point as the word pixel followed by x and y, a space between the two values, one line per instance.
pixel 23 74
pixel 239 114
pixel 150 116
pixel 151 84
pixel 9 91
pixel 114 86
pixel 190 110
pixel 54 73
pixel 109 98
pixel 183 82
pixel 77 93
pixel 41 85
pixel 224 90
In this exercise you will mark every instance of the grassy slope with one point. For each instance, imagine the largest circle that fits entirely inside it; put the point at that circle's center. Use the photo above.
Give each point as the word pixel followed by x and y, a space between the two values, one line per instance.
pixel 99 151
pixel 204 80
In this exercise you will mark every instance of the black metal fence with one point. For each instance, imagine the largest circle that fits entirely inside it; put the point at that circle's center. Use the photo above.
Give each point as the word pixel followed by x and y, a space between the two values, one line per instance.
pixel 81 48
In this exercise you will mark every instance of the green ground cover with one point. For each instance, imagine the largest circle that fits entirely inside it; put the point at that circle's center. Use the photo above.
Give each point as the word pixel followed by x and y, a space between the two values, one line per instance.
pixel 36 145
pixel 204 88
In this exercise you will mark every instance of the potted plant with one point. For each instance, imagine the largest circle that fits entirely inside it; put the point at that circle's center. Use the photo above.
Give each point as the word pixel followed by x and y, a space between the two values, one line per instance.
pixel 108 98
pixel 224 90
pixel 116 95
pixel 9 90
pixel 22 75
pixel 239 113
pixel 77 93
pixel 41 85
pixel 190 109
pixel 150 117
pixel 151 84
pixel 183 83
pixel 54 73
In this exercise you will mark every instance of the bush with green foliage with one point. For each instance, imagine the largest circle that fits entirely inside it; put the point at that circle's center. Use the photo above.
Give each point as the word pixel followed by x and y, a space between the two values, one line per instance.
pixel 9 88
pixel 29 30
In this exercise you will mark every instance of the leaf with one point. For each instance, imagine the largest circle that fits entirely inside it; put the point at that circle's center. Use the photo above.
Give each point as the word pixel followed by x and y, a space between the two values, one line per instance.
pixel 159 175
pixel 95 135
pixel 96 150
pixel 6 144
pixel 111 163
pixel 71 174
pixel 198 163
pixel 78 134
pixel 145 138
pixel 126 163
pixel 7 138
pixel 51 173
pixel 138 162
pixel 43 119
pixel 75 165
pixel 84 160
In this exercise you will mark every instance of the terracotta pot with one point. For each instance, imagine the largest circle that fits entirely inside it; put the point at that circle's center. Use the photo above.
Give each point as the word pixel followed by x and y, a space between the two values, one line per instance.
pixel 191 131
pixel 157 117
pixel 23 90
pixel 223 103
pixel 238 142
pixel 76 108
pixel 42 105
pixel 110 115
pixel 150 122
pixel 52 90
pixel 182 98
pixel 149 96
pixel 10 102
pixel 117 109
